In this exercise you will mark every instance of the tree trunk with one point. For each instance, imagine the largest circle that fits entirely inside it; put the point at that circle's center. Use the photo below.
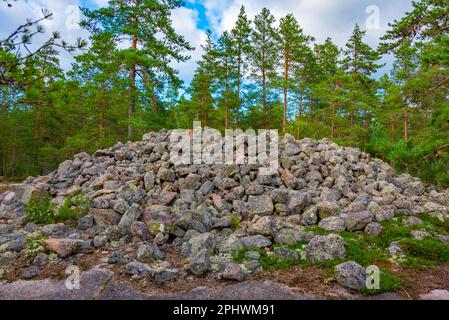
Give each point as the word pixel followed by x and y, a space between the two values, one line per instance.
pixel 264 100
pixel 284 119
pixel 405 123
pixel 333 121
pixel 102 119
pixel 352 118
pixel 298 128
pixel 132 74
pixel 239 70
pixel 226 100
pixel 37 128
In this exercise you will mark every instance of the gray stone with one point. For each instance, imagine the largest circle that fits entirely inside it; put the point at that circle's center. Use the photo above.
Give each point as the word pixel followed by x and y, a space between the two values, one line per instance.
pixel 291 236
pixel 260 205
pixel 324 248
pixel 233 271
pixel 148 252
pixel 257 241
pixel 333 224
pixel 54 230
pixel 262 226
pixel 131 215
pixel 30 272
pixel 199 263
pixel 327 209
pixel 139 270
pixel 351 275
pixel 374 229
pixel 252 255
pixel 358 220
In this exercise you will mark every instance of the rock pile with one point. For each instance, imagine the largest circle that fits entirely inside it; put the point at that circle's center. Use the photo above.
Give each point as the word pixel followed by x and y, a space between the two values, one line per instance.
pixel 207 213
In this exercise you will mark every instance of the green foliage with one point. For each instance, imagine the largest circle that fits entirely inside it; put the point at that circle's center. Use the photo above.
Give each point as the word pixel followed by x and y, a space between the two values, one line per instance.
pixel 388 283
pixel 40 211
pixel 433 223
pixel 363 250
pixel 424 253
pixel 115 93
pixel 34 244
pixel 235 221
pixel 267 261
pixel 73 208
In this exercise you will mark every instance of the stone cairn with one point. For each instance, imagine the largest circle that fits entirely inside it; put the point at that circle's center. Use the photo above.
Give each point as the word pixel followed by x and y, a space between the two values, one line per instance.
pixel 205 214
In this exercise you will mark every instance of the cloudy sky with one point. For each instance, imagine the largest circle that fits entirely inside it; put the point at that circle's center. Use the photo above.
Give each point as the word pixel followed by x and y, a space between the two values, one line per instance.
pixel 319 18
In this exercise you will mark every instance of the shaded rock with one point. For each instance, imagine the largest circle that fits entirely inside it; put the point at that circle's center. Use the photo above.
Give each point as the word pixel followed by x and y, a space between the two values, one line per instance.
pixel 139 270
pixel 148 252
pixel 374 229
pixel 199 263
pixel 140 230
pixel 30 272
pixel 131 215
pixel 357 220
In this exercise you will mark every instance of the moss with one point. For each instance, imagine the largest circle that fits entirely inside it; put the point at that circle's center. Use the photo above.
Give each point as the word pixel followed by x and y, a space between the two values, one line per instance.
pixel 363 250
pixel 388 283
pixel 317 230
pixel 235 221
pixel 267 261
pixel 424 253
pixel 434 223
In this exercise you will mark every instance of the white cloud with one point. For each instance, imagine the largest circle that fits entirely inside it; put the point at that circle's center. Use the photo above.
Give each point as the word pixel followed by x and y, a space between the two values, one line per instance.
pixel 321 19
pixel 185 23
pixel 62 20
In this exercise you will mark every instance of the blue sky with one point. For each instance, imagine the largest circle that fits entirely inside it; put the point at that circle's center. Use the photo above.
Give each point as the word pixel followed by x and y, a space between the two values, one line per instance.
pixel 319 18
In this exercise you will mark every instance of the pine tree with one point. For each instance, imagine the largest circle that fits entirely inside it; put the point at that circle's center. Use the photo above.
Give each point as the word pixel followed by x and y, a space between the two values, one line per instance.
pixel 227 71
pixel 241 37
pixel 404 68
pixel 147 25
pixel 263 54
pixel 293 46
pixel 360 62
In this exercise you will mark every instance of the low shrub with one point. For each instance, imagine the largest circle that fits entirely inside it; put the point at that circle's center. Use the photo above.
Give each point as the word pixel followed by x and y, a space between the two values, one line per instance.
pixel 39 210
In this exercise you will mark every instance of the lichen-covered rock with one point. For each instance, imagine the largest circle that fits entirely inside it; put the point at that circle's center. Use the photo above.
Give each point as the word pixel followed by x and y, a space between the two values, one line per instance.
pixel 257 241
pixel 351 275
pixel 139 270
pixel 199 263
pixel 232 271
pixel 357 220
pixel 333 224
pixel 291 236
pixel 323 248
pixel 260 205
